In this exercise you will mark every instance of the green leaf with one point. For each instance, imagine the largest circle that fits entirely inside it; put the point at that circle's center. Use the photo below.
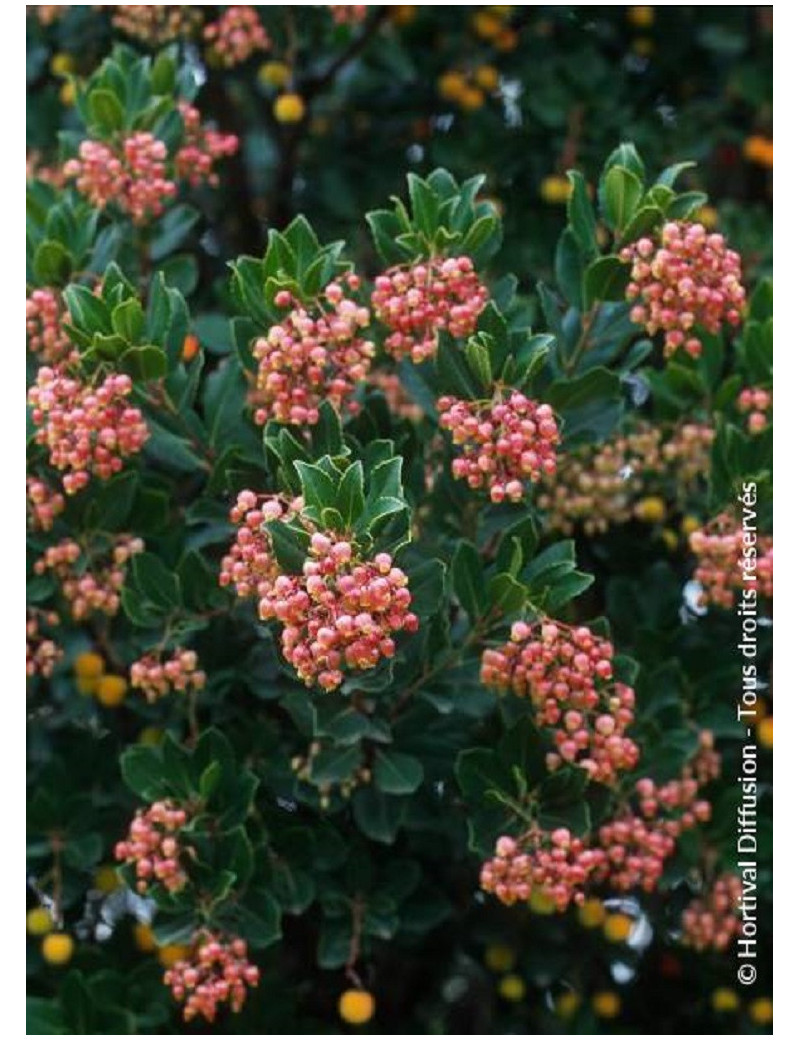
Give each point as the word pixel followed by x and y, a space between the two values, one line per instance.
pixel 144 363
pixel 349 499
pixel 424 205
pixel 143 771
pixel 466 571
pixel 106 111
pixel 155 581
pixel 620 192
pixel 318 488
pixel 209 779
pixel 378 815
pixel 569 267
pixel 479 361
pixel 426 582
pixel 332 765
pixel 172 230
pixel 683 206
pixel 605 279
pixel 581 214
pixel 507 594
pixel 671 173
pixel 52 264
pixel 397 773
pixel 88 313
pixel 290 545
pixel 644 219
pixel 127 320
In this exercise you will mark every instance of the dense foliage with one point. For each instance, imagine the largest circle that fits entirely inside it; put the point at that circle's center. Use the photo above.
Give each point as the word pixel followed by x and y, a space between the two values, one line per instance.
pixel 400 557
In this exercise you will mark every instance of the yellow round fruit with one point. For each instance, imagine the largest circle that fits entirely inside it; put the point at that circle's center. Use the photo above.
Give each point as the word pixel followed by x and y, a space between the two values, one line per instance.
pixel 592 913
pixel 617 927
pixel 170 955
pixel 541 903
pixel 724 999
pixel 451 85
pixel 111 690
pixel 403 14
pixel 761 1011
pixel 758 149
pixel 38 921
pixel 689 524
pixel 86 687
pixel 566 1004
pixel 606 1004
pixel 512 988
pixel 764 732
pixel 274 73
pixel 57 948
pixel 641 17
pixel 652 510
pixel 151 736
pixel 106 878
pixel 670 539
pixel 289 108
pixel 356 1006
pixel 486 25
pixel 144 939
pixel 471 99
pixel 62 64
pixel 555 189
pixel 499 958
pixel 487 77
pixel 66 94
pixel 89 665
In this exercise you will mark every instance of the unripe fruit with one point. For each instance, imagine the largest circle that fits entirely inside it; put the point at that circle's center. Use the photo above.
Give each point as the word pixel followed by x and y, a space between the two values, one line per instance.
pixel 356 1006
pixel 555 189
pixel 106 878
pixel 143 938
pixel 57 948
pixel 402 14
pixel 511 988
pixel 652 510
pixel 499 958
pixel 471 99
pixel 592 913
pixel 606 1004
pixel 289 108
pixel 487 26
pixel 67 94
pixel 566 1004
pixel 690 524
pixel 617 927
pixel 151 736
pixel 38 921
pixel 760 1011
pixel 111 690
pixel 62 64
pixel 764 732
pixel 274 73
pixel 724 999
pixel 451 85
pixel 641 17
pixel 88 665
pixel 541 903
pixel 169 955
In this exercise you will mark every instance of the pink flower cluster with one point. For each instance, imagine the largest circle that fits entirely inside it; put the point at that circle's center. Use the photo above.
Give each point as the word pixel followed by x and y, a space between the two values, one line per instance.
pixel 340 613
pixel 348 14
pixel 568 675
pixel 154 847
pixel 87 430
pixel 503 443
pixel 41 652
pixel 136 179
pixel 712 921
pixel 756 404
pixel 87 590
pixel 687 280
pixel 628 852
pixel 156 678
pixel 44 313
pixel 156 24
pixel 317 353
pixel 44 504
pixel 416 301
pixel 730 558
pixel 250 566
pixel 556 863
pixel 217 973
pixel 202 146
pixel 236 36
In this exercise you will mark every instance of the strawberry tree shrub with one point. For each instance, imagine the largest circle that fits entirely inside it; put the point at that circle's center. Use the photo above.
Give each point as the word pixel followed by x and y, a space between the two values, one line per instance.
pixel 382 617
